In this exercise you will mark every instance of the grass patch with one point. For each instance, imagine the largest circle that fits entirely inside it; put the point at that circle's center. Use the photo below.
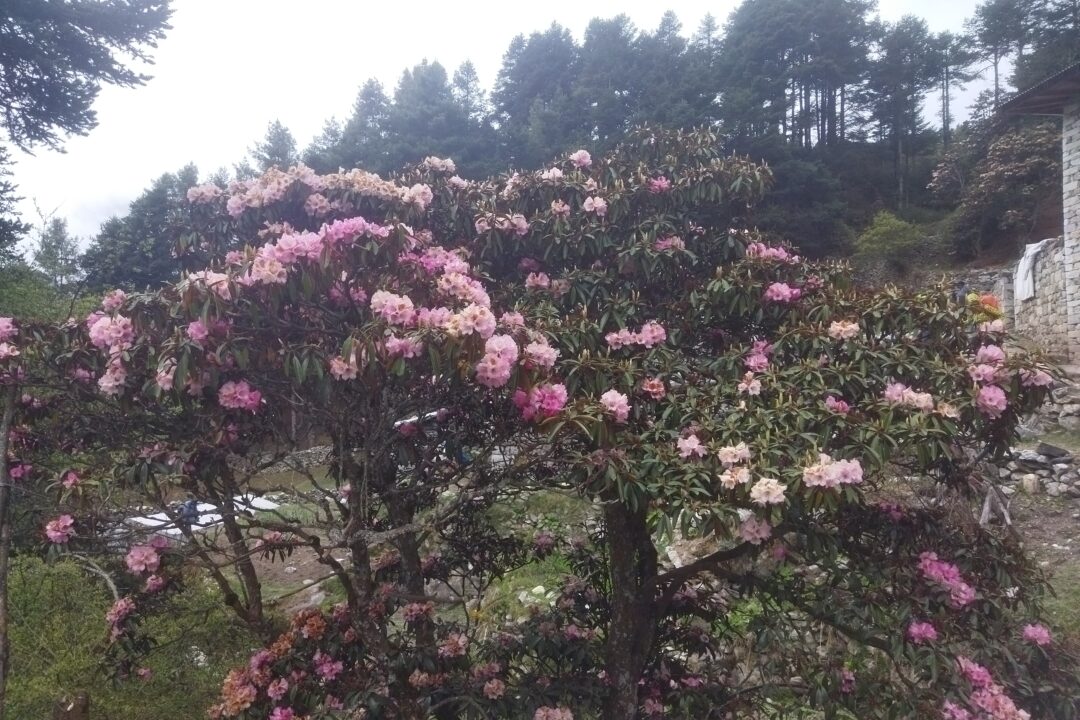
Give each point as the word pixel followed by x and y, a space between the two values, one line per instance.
pixel 1063 609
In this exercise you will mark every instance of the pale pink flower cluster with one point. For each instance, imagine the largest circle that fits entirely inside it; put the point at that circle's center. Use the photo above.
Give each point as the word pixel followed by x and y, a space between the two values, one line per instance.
pixel 473 319
pixel 112 333
pixel 142 559
pixel 782 293
pixel 455 645
pixel 733 477
pixel 438 259
pixel 992 327
pixel 316 205
pixel 197 331
pixel 216 282
pixel 265 270
pixel 118 613
pixel 512 320
pixel 445 165
pixel 754 530
pixel 654 388
pixel 325 666
pixel 500 354
pixel 987 697
pixel 581 159
pixel 767 252
pixel 991 401
pixel 921 633
pixel 415 612
pixel 691 446
pixel 7 350
pixel 553 713
pixel 594 204
pixel 60 530
pixel 750 385
pixel 757 359
pixel 767 491
pixel 1037 634
pixel 113 300
pixel 541 401
pixel 201 194
pixel 617 404
pixel 407 347
pixel 838 406
pixel 270 187
pixel 560 209
pixel 537 281
pixel 670 242
pixel 843 329
pixel 239 395
pixel 462 287
pixel 347 231
pixel 7 329
pixel 658 185
pixel 1035 378
pixel 394 309
pixel 112 381
pixel 651 334
pixel 948 576
pixel 733 454
pixel 419 195
pixel 551 175
pixel 901 394
pixel 540 354
pixel 830 473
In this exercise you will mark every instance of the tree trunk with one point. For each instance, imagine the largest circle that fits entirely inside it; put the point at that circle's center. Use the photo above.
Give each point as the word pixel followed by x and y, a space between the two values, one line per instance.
pixel 632 627
pixel 5 539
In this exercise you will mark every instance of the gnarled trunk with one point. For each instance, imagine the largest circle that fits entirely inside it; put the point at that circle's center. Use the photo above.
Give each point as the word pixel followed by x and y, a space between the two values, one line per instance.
pixel 632 628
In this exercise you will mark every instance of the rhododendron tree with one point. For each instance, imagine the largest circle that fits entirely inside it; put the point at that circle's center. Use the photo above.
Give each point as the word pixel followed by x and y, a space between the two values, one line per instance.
pixel 606 328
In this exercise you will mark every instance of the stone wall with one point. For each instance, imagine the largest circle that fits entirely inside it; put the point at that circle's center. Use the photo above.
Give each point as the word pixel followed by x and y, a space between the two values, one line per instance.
pixel 1070 186
pixel 1043 319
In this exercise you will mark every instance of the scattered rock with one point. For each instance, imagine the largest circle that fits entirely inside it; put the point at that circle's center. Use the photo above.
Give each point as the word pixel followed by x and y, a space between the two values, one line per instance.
pixel 1004 473
pixel 289 570
pixel 1056 489
pixel 1031 484
pixel 1053 451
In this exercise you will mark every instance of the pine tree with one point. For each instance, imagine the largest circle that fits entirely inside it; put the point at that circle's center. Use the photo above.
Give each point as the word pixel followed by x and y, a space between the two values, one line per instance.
pixel 57 252
pixel 277 149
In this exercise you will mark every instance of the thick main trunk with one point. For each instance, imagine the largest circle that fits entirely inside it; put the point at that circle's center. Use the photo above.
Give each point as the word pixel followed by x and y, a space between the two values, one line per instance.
pixel 8 413
pixel 632 628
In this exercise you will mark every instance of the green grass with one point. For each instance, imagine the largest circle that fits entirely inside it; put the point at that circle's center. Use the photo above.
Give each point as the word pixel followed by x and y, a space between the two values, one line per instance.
pixel 1063 609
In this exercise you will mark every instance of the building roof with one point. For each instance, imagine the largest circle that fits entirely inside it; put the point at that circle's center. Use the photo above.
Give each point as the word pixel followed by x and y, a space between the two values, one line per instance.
pixel 1048 97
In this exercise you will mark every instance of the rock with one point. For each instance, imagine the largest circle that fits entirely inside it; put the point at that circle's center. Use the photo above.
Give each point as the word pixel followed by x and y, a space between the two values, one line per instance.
pixel 289 570
pixel 1007 490
pixel 1070 409
pixel 1073 492
pixel 1004 473
pixel 1031 484
pixel 1044 473
pixel 1013 465
pixel 1069 477
pixel 1071 423
pixel 1030 456
pixel 1061 468
pixel 1052 451
pixel 1056 489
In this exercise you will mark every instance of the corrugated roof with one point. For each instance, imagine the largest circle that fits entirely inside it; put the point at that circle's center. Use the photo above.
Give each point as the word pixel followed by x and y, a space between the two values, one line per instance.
pixel 1048 97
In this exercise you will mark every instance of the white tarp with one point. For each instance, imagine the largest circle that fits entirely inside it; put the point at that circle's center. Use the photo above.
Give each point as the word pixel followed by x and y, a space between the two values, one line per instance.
pixel 1024 279
pixel 209 516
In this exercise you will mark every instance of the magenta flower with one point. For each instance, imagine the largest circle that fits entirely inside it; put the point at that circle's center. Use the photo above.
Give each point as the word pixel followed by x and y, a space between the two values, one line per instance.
pixel 658 185
pixel 239 395
pixel 60 530
pixel 581 159
pixel 142 558
pixel 1037 634
pixel 991 401
pixel 617 404
pixel 922 632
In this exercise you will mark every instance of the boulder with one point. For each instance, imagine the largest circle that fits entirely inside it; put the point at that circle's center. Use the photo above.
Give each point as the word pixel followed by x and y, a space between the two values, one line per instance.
pixel 1056 489
pixel 1051 451
pixel 1069 422
pixel 1031 484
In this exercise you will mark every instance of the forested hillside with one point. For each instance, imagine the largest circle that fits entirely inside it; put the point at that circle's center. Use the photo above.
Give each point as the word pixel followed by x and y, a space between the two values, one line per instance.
pixel 856 117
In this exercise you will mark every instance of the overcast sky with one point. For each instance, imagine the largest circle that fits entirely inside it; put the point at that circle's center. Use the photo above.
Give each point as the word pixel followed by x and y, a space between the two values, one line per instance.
pixel 228 67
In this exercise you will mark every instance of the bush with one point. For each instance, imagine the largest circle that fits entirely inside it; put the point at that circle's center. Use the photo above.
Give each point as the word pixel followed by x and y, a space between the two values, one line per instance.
pixel 58 632
pixel 892 240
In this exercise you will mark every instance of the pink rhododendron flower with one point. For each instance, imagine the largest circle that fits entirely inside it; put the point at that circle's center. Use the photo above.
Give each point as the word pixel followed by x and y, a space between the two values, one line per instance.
pixel 19 471
pixel 733 454
pixel 120 610
pixel 654 388
pixel 197 331
pixel 830 473
pixel 1037 634
pixel 60 530
pixel 201 194
pixel 473 319
pixel 325 666
pixel 7 329
pixel 542 401
pixel 71 479
pixel 552 713
pixel 165 376
pixel 985 374
pixel 976 674
pixel 408 347
pixel 454 645
pixel 551 175
pixel 520 224
pixel 537 281
pixel 922 632
pixel 581 159
pixel 617 404
pixel 782 293
pixel 113 300
pixel 754 530
pixel 8 350
pixel 761 250
pixel 622 338
pixel 277 688
pixel 394 309
pixel 419 195
pixel 267 271
pixel 440 165
pixel 847 681
pixel 767 491
pixel 141 559
pixel 990 355
pixel 733 477
pixel 658 185
pixel 282 713
pixel 1035 378
pixel 113 333
pixel 239 395
pixel 343 369
pixel 750 385
pixel 840 407
pixel 843 330
pixel 112 382
pixel 948 576
pixel 756 362
pixel 154 584
pixel 494 689
pixel 991 401
pixel 560 209
pixel 952 711
pixel 691 445
pixel 540 354
pixel 415 612
pixel 595 204
pixel 651 334
pixel 458 183
pixel 992 326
